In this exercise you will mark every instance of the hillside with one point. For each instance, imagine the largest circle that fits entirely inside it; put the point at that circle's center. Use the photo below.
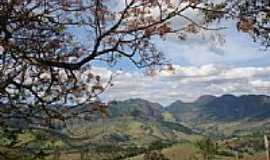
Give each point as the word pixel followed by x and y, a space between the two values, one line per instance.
pixel 225 113
pixel 144 121
pixel 136 126
pixel 136 108
pixel 133 121
pixel 139 119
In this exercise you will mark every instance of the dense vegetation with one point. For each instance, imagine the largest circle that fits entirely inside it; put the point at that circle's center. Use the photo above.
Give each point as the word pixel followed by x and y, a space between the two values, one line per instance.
pixel 125 135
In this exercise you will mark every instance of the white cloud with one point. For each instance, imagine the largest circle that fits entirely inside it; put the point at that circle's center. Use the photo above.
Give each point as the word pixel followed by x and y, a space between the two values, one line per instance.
pixel 210 67
pixel 188 83
pixel 260 84
pixel 226 46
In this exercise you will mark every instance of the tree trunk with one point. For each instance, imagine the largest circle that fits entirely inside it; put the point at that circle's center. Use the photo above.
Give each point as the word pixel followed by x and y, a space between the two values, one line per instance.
pixel 266 143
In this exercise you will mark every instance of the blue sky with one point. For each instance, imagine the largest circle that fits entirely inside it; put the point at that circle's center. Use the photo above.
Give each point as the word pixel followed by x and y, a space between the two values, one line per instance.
pixel 203 66
pixel 237 50
pixel 237 67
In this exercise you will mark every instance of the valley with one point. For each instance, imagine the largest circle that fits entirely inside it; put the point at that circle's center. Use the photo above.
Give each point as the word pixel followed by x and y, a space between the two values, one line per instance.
pixel 136 127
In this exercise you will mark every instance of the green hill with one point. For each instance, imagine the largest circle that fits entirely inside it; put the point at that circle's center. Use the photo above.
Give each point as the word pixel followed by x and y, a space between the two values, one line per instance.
pixel 224 114
pixel 134 127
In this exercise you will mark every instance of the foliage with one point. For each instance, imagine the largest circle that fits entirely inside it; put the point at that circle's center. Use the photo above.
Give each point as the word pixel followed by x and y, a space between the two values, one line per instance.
pixel 154 155
pixel 27 145
pixel 251 16
pixel 207 148
pixel 159 145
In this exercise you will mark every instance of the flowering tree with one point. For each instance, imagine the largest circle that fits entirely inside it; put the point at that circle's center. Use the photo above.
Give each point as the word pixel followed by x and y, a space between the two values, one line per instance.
pixel 250 16
pixel 44 67
pixel 46 72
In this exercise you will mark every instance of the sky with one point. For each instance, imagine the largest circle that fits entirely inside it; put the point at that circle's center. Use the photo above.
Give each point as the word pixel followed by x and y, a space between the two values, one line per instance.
pixel 202 67
pixel 205 64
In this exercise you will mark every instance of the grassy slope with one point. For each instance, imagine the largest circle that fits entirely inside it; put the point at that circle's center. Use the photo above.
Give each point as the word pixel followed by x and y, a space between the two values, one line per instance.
pixel 181 151
pixel 186 151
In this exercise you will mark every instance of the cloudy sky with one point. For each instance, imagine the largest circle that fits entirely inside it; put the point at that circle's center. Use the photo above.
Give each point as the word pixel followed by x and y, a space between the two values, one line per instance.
pixel 204 64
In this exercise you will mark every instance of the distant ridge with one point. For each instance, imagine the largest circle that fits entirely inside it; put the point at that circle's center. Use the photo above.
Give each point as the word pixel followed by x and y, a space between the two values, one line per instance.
pixel 141 121
pixel 205 99
pixel 227 107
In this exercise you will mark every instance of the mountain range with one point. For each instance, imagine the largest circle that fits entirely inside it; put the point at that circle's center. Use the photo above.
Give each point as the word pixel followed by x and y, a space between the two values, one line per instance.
pixel 226 112
pixel 140 122
pixel 134 127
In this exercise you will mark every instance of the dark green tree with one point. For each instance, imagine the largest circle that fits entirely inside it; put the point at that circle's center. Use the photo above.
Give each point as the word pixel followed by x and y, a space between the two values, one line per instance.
pixel 207 148
pixel 154 155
